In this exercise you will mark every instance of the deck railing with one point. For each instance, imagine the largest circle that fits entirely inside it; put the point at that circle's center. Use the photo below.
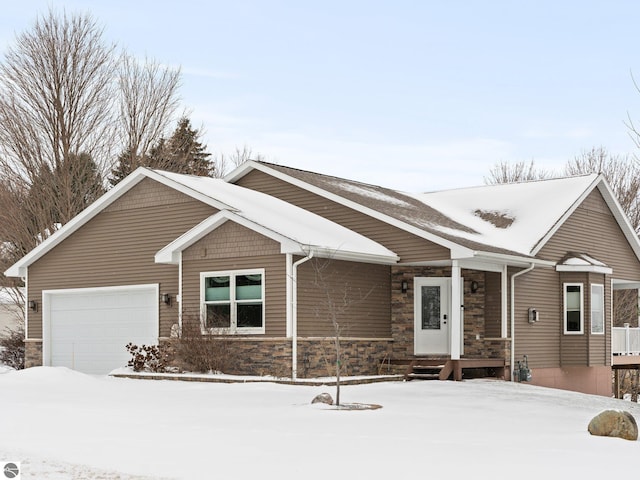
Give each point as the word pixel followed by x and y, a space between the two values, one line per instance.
pixel 625 340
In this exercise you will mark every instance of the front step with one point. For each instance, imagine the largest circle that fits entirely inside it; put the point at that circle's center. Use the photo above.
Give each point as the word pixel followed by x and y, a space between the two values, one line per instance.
pixel 428 369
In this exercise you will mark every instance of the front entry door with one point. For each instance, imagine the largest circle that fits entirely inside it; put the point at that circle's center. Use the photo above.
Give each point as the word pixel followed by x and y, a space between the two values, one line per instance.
pixel 432 307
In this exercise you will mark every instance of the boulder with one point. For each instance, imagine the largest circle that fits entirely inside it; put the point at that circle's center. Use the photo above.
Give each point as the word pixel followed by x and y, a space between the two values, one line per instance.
pixel 323 398
pixel 614 423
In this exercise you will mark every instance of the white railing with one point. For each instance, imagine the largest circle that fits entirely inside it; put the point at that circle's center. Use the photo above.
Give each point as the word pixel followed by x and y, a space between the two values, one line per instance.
pixel 625 340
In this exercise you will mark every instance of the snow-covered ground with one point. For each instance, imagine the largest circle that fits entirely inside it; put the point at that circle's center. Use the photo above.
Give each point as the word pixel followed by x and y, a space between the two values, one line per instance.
pixel 61 424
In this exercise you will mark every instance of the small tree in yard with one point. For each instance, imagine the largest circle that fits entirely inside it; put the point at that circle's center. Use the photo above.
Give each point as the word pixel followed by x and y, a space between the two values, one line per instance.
pixel 337 297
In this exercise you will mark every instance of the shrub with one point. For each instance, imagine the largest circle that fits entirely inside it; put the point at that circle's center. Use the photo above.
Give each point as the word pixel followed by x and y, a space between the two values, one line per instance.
pixel 12 347
pixel 149 358
pixel 201 353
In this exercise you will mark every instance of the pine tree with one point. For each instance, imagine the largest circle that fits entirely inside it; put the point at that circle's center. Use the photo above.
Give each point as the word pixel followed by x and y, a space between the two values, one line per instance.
pixel 181 153
pixel 185 153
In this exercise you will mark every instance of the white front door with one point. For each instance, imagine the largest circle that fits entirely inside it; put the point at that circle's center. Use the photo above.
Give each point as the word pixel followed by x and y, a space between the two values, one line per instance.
pixel 432 307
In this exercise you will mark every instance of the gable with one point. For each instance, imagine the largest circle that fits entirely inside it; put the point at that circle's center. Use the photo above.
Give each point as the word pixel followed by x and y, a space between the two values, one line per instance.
pixel 231 240
pixel 148 193
pixel 409 247
pixel 592 229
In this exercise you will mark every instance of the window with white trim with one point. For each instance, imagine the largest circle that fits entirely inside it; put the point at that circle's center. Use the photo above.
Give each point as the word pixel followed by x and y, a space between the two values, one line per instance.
pixel 233 301
pixel 597 308
pixel 573 308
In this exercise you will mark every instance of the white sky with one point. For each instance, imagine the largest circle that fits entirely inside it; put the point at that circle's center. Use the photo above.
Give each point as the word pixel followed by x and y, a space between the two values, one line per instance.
pixel 411 95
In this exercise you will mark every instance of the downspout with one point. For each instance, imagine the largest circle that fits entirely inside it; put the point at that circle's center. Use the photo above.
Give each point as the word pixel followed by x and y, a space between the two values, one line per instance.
pixel 294 314
pixel 513 315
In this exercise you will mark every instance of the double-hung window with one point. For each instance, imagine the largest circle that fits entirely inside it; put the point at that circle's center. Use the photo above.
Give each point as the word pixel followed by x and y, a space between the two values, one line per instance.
pixel 573 308
pixel 233 301
pixel 597 308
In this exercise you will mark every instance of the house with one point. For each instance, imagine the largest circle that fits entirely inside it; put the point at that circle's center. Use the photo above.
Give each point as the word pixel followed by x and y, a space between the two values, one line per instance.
pixel 475 277
pixel 11 310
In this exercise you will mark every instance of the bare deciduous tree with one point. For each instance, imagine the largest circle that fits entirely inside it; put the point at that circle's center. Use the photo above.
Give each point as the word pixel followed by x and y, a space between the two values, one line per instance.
pixel 225 162
pixel 504 172
pixel 622 174
pixel 337 296
pixel 56 94
pixel 148 101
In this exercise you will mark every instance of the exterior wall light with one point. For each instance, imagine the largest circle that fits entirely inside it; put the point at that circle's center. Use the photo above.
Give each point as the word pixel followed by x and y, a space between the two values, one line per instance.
pixel 405 286
pixel 33 305
pixel 166 299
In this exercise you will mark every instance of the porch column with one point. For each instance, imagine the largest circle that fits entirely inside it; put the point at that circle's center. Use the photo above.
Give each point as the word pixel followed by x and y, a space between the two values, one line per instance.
pixel 456 310
pixel 504 307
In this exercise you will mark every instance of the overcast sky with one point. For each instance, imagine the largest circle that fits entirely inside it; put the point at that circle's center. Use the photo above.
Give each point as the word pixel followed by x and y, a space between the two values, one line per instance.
pixel 414 95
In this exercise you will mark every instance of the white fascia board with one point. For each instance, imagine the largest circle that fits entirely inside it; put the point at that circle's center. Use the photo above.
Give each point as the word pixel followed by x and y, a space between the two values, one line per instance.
pixel 618 213
pixel 171 253
pixel 584 269
pixel 250 165
pixel 612 202
pixel 337 254
pixel 19 269
pixel 182 188
pixel 512 260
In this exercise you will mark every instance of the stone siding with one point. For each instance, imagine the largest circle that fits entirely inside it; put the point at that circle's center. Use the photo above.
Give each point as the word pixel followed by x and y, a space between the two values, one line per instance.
pixel 316 356
pixel 476 345
pixel 33 353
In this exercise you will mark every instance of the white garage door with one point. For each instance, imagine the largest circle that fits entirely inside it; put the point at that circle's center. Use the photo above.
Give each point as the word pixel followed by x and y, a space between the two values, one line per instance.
pixel 88 329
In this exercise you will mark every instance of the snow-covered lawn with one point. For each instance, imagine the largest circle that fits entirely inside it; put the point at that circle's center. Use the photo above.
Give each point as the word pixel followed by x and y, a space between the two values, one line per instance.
pixel 62 424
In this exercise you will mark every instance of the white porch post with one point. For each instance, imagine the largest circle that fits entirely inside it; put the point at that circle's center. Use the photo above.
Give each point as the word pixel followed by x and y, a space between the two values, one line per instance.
pixel 504 295
pixel 456 309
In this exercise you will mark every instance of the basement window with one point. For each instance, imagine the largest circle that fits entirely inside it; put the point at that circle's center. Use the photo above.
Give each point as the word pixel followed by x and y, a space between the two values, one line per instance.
pixel 233 301
pixel 573 308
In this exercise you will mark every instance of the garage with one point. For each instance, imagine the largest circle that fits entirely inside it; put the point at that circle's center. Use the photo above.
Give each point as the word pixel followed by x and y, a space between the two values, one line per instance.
pixel 87 329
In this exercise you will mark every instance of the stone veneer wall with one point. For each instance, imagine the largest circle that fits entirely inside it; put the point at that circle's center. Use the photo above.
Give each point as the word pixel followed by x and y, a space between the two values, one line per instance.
pixel 33 353
pixel 476 345
pixel 316 356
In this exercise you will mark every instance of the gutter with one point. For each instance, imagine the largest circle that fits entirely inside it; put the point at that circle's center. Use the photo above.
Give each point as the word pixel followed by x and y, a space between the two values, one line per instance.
pixel 513 315
pixel 294 314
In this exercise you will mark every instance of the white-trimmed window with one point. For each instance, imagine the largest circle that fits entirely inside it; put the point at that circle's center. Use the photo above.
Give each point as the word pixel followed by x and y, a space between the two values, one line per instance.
pixel 573 308
pixel 233 301
pixel 597 308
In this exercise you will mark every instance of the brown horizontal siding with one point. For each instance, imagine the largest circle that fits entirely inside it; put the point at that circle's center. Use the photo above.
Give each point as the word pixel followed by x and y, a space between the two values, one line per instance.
pixel 540 341
pixel 409 247
pixel 234 247
pixel 592 229
pixel 357 293
pixel 117 247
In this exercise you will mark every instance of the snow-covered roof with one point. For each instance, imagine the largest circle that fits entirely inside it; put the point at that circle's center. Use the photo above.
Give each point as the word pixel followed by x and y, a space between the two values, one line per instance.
pixel 581 262
pixel 506 220
pixel 514 216
pixel 297 230
pixel 285 222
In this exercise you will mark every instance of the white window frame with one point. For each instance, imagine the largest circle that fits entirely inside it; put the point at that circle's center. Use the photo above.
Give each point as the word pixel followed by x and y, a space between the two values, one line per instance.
pixel 602 306
pixel 233 329
pixel 564 308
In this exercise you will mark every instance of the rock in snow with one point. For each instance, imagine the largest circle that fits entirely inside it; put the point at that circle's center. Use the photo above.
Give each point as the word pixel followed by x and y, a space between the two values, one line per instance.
pixel 614 423
pixel 323 398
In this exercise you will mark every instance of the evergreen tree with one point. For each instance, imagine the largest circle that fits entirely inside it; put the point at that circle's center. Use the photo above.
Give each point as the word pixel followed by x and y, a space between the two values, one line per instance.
pixel 186 152
pixel 181 153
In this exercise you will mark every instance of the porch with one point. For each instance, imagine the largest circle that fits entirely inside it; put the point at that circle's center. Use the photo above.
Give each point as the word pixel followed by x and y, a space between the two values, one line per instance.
pixel 429 368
